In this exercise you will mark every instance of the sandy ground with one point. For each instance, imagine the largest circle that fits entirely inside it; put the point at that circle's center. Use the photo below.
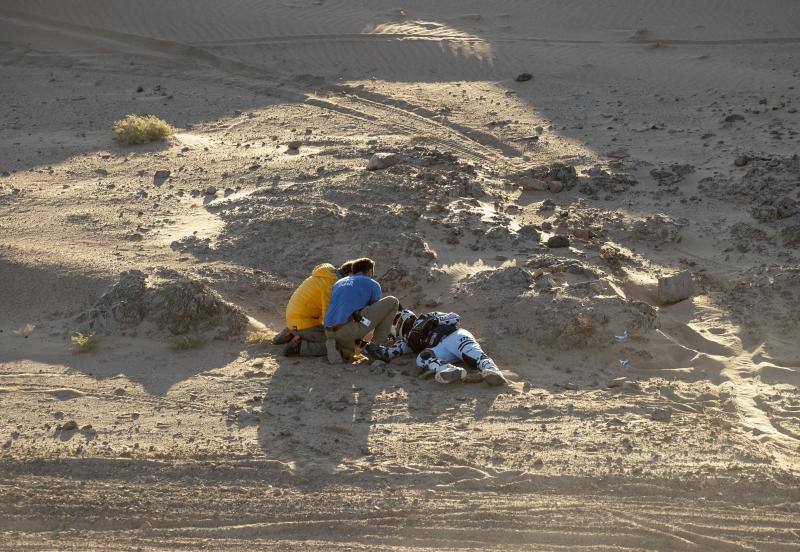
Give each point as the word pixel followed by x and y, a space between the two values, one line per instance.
pixel 681 434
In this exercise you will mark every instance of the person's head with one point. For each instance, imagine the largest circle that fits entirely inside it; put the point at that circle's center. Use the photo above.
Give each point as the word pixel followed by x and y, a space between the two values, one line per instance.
pixel 346 269
pixel 364 266
pixel 402 323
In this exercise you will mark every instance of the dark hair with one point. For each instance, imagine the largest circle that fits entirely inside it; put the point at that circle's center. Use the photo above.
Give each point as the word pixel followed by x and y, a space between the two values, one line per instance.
pixel 346 269
pixel 363 265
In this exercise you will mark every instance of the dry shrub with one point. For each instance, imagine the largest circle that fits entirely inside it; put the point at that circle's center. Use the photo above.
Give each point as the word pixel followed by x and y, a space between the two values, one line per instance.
pixel 260 338
pixel 83 343
pixel 585 324
pixel 141 129
pixel 186 342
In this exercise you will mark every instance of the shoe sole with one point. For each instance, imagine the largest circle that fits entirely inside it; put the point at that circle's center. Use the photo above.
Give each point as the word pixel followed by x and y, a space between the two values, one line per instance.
pixel 494 379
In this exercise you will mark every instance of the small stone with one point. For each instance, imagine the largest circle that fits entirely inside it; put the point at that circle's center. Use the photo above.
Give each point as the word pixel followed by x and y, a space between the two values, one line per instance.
pixel 546 282
pixel 382 160
pixel 531 184
pixel 661 415
pixel 741 161
pixel 119 392
pixel 732 118
pixel 71 425
pixel 161 175
pixel 523 77
pixel 617 382
pixel 786 207
pixel 211 190
pixel 101 172
pixel 294 145
pixel 528 232
pixel 555 186
pixel 675 287
pixel 557 241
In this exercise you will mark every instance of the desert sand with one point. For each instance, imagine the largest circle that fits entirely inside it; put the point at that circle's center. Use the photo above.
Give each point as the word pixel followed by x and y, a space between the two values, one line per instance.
pixel 655 136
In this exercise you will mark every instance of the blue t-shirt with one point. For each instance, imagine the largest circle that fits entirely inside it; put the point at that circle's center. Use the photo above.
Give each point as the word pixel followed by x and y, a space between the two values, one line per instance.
pixel 350 294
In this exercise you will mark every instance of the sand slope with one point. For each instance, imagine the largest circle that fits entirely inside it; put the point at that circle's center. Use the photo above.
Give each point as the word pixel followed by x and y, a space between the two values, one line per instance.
pixel 681 433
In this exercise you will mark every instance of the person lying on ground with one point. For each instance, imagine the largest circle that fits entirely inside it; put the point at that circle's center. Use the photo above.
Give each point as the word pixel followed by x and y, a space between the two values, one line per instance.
pixel 356 309
pixel 437 340
pixel 304 334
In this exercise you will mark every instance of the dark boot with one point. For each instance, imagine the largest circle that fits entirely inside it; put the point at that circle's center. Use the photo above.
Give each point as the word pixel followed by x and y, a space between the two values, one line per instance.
pixel 293 347
pixel 284 336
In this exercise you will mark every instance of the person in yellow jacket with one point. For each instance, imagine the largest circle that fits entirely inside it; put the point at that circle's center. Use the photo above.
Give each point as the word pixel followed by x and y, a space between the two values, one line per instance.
pixel 304 334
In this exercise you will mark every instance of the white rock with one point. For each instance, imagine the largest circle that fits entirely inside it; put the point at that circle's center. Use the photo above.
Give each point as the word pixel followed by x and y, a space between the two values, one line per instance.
pixel 382 161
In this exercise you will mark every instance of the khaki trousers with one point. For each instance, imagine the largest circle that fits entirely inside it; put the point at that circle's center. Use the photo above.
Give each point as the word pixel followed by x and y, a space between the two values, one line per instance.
pixel 312 340
pixel 380 316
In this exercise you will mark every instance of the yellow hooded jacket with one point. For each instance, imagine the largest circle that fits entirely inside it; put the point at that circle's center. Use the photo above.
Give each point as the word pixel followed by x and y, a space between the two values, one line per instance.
pixel 310 300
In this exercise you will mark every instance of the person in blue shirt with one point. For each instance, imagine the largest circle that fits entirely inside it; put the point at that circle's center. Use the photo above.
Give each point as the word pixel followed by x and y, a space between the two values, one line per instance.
pixel 356 309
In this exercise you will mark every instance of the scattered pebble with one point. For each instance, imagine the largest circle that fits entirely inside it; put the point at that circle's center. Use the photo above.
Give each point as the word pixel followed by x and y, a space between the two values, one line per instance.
pixel 557 241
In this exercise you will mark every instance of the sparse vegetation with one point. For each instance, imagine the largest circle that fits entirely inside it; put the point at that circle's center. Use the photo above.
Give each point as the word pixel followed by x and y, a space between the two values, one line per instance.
pixel 585 324
pixel 260 338
pixel 186 342
pixel 83 343
pixel 141 129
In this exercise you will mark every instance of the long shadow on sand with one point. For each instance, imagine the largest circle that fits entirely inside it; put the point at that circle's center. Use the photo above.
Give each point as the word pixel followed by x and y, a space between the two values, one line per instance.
pixel 315 413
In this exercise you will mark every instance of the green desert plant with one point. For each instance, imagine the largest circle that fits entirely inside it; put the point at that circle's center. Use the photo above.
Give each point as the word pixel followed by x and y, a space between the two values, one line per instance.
pixel 186 342
pixel 83 343
pixel 260 338
pixel 141 129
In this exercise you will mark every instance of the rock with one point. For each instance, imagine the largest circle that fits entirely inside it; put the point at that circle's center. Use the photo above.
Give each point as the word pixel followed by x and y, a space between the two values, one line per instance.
pixel 531 184
pixel 557 241
pixel 161 175
pixel 661 415
pixel 175 304
pixel 101 172
pixel 528 232
pixel 732 118
pixel 71 425
pixel 555 186
pixel 617 382
pixel 741 161
pixel 786 208
pixel 211 190
pixel 523 77
pixel 294 145
pixel 546 282
pixel 547 205
pixel 382 160
pixel 119 392
pixel 675 287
